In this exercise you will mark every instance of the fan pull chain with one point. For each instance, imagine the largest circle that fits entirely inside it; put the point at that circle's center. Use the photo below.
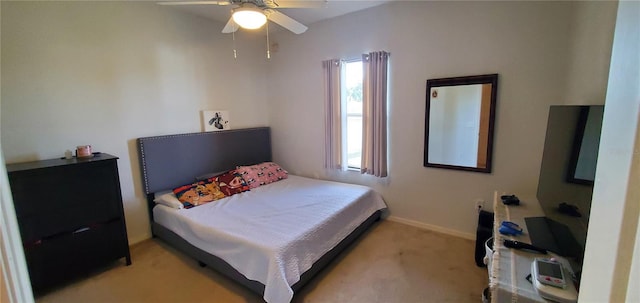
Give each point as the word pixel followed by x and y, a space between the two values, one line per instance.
pixel 233 34
pixel 268 47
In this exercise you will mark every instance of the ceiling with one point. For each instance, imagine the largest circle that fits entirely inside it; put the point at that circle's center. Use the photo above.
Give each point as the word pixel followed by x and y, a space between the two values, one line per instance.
pixel 306 16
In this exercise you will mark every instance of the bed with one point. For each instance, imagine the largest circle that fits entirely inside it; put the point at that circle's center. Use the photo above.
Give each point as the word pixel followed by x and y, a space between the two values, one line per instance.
pixel 272 239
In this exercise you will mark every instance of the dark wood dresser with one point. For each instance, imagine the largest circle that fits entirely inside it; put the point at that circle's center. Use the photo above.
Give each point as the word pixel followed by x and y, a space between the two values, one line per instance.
pixel 70 216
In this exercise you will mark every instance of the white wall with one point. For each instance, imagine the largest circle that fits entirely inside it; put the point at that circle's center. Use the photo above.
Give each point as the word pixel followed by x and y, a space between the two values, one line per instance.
pixel 590 53
pixel 14 276
pixel 106 73
pixel 529 44
pixel 612 253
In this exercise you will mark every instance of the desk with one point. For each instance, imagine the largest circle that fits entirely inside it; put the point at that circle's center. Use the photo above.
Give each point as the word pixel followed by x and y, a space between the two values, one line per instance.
pixel 510 267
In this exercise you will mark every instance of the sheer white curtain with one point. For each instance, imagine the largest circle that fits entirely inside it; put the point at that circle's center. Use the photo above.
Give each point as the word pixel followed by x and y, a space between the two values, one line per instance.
pixel 374 115
pixel 332 114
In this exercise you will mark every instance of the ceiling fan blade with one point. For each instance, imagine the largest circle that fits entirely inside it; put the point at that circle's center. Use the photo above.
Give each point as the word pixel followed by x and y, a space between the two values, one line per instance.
pixel 194 2
pixel 286 21
pixel 296 3
pixel 230 27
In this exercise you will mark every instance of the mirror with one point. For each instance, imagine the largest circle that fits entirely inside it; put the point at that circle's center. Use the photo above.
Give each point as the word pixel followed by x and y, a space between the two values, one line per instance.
pixel 573 133
pixel 582 165
pixel 459 120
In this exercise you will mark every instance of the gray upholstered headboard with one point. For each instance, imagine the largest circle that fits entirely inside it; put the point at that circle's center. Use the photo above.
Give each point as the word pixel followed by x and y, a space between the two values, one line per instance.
pixel 173 160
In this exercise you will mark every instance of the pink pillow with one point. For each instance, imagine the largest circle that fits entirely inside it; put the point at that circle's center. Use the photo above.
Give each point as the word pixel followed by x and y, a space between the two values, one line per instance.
pixel 261 174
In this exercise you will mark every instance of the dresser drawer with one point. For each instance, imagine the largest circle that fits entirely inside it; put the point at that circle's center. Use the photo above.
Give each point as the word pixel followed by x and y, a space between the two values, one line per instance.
pixel 41 191
pixel 54 261
pixel 59 221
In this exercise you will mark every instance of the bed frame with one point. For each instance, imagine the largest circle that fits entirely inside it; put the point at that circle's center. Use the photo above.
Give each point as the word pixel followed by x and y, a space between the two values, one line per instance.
pixel 170 161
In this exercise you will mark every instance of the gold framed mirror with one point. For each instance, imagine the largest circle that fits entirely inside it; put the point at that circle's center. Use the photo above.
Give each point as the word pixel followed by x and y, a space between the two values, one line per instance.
pixel 459 120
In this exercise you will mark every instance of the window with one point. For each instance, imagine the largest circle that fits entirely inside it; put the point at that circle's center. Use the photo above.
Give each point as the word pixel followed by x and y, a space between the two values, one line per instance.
pixel 351 96
pixel 355 112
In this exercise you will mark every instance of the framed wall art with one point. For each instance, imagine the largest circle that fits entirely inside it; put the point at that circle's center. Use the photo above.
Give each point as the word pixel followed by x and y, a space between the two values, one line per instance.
pixel 215 120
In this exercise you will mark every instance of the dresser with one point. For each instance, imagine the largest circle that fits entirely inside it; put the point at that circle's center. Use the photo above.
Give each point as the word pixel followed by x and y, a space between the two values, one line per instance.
pixel 70 216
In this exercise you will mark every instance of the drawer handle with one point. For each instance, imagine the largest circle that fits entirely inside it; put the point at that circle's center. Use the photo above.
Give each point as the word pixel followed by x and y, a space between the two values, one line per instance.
pixel 81 230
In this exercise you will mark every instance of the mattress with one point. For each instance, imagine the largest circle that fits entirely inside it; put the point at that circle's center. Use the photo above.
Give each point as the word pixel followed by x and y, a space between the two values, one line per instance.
pixel 274 233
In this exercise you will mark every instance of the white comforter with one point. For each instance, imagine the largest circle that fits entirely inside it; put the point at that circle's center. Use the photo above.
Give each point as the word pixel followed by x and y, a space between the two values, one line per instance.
pixel 274 233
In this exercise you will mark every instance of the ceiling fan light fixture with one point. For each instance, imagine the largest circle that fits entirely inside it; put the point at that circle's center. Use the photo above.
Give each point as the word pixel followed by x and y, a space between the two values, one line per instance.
pixel 249 17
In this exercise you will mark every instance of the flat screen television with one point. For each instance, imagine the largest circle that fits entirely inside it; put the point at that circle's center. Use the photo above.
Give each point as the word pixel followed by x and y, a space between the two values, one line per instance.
pixel 566 180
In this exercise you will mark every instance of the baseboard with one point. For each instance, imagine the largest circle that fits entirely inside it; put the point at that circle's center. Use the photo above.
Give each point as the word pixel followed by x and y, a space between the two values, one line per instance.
pixel 431 227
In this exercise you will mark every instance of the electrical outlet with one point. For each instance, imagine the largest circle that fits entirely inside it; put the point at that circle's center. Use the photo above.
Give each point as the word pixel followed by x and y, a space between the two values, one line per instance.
pixel 479 204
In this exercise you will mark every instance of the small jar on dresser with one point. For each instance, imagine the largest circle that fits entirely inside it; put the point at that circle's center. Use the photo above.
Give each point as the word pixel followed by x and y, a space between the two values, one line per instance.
pixel 70 217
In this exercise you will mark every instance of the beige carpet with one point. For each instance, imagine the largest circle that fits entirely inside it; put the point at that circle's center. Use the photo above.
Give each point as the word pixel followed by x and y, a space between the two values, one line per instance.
pixel 392 262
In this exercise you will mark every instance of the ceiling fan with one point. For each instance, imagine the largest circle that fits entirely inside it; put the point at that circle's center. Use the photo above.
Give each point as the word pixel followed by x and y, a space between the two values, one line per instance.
pixel 253 14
